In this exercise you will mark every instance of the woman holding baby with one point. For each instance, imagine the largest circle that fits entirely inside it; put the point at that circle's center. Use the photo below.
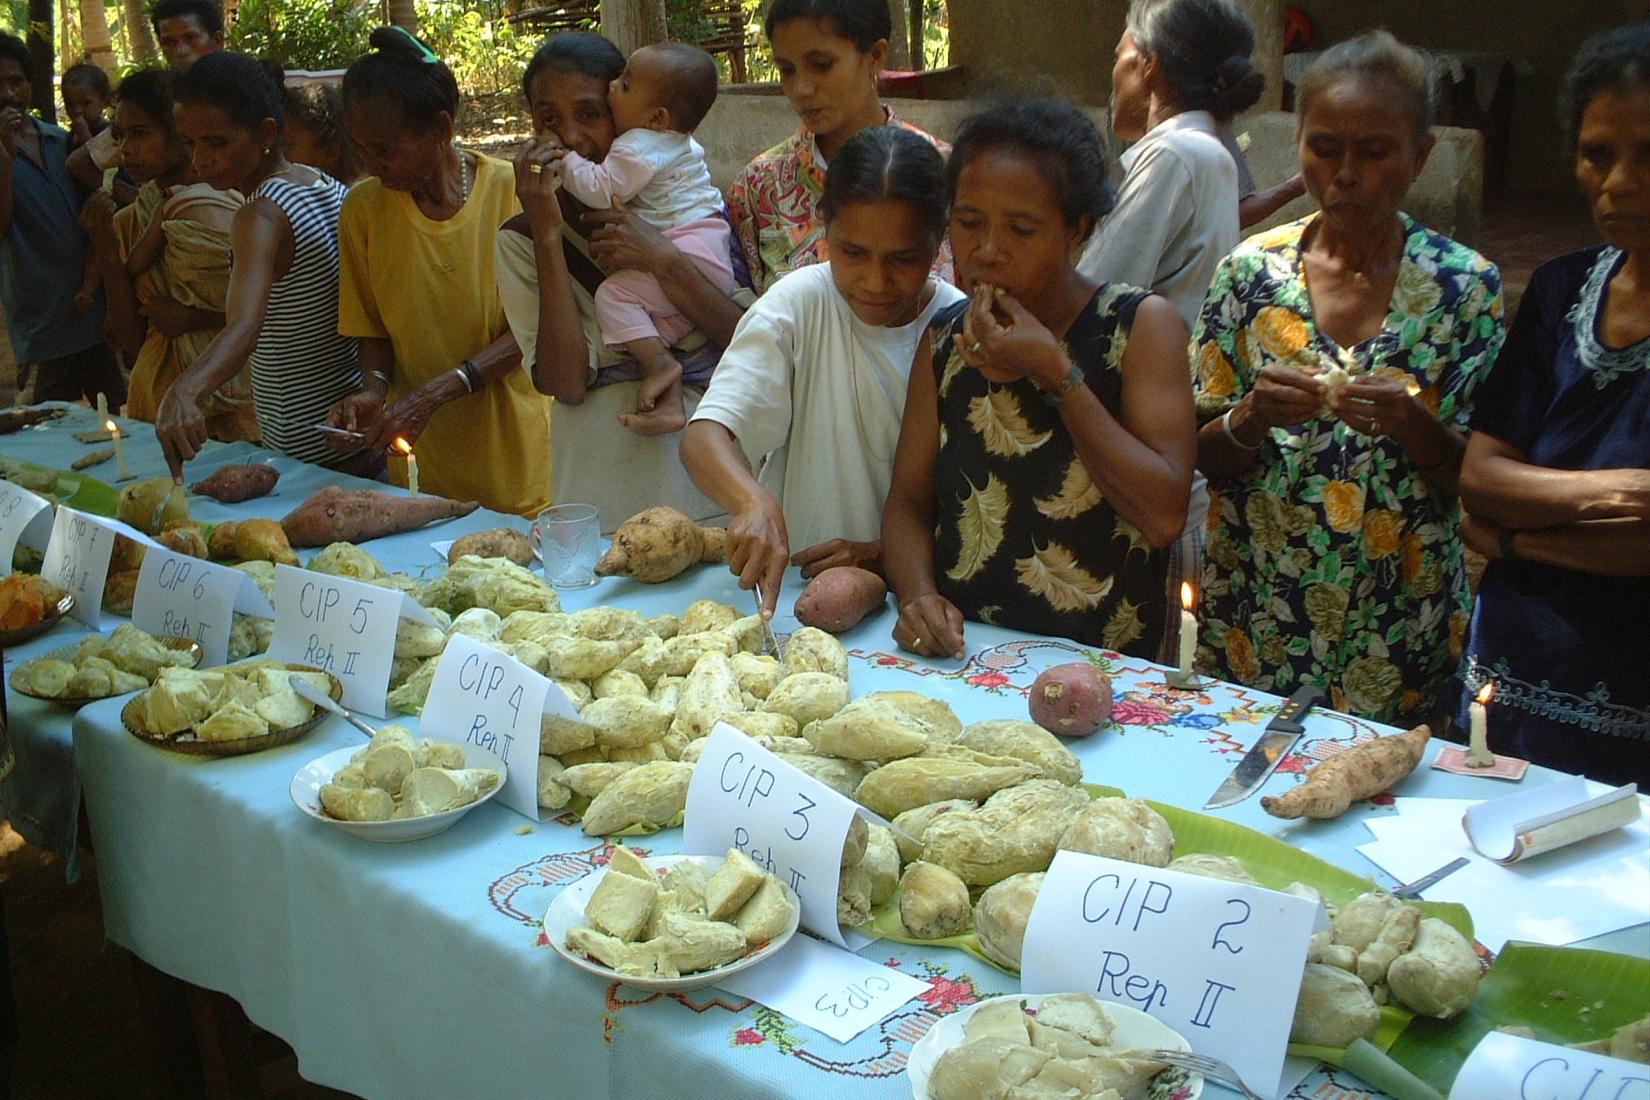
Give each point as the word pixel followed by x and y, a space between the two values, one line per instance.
pixel 1336 360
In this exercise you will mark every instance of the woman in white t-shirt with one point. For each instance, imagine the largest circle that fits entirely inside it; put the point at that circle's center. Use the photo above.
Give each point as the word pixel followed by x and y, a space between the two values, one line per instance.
pixel 795 436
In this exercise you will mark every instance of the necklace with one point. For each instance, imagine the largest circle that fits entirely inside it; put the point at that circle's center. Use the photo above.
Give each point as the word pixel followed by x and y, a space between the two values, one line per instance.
pixel 463 176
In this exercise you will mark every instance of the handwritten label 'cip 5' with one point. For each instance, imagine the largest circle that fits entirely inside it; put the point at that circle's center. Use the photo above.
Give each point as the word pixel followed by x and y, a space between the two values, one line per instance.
pixel 1220 962
pixel 341 626
pixel 789 823
pixel 480 696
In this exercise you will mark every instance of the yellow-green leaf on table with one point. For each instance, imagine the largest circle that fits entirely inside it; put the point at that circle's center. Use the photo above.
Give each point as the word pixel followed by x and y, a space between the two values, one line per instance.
pixel 1563 994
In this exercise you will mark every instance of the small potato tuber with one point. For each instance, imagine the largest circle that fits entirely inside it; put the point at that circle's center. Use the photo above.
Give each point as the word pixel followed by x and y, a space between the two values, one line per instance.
pixel 1072 700
pixel 840 597
pixel 183 537
pixel 263 540
pixel 233 484
pixel 657 544
pixel 1356 774
pixel 150 504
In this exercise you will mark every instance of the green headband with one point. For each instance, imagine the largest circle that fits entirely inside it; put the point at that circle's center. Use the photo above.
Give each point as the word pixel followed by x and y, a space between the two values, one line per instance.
pixel 426 55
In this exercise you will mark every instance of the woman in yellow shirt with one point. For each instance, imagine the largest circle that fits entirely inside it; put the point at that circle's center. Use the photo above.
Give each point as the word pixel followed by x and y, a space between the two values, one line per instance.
pixel 440 369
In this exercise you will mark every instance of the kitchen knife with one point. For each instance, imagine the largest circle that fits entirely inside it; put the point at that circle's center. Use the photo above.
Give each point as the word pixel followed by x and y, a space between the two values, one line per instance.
pixel 1278 738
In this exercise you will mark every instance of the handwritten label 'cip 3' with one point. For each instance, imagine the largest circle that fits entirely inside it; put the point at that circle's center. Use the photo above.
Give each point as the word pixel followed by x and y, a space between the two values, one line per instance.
pixel 480 696
pixel 789 823
pixel 1219 962
pixel 341 626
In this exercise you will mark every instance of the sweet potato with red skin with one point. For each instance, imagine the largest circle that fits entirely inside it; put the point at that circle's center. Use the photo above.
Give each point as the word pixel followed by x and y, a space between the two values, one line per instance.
pixel 840 597
pixel 1071 700
pixel 342 515
pixel 233 484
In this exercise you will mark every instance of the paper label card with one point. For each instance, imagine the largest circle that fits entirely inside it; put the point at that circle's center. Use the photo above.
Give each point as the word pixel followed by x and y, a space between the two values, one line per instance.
pixel 489 699
pixel 789 823
pixel 343 626
pixel 178 594
pixel 1220 962
pixel 77 560
pixel 826 988
pixel 1508 1066
pixel 22 513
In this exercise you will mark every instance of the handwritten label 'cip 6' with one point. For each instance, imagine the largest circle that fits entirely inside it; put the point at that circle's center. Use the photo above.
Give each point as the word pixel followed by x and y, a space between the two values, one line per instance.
pixel 1218 961
pixel 185 596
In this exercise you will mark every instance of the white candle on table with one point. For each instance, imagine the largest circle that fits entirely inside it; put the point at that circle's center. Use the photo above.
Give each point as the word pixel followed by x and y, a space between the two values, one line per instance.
pixel 1478 748
pixel 102 409
pixel 412 465
pixel 120 447
pixel 1188 631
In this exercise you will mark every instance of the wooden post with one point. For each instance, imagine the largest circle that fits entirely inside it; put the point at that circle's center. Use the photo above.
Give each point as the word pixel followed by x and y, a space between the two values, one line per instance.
pixel 402 14
pixel 140 36
pixel 899 43
pixel 919 36
pixel 632 24
pixel 94 33
pixel 41 17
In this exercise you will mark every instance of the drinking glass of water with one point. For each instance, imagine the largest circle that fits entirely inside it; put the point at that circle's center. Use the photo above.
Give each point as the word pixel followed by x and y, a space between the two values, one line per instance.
pixel 568 540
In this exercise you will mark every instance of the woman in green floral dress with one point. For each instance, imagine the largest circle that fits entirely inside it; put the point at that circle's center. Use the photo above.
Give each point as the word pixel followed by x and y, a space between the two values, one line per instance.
pixel 1336 362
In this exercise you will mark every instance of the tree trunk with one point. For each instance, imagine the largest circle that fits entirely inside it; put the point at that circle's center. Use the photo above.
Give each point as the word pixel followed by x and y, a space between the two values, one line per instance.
pixel 632 24
pixel 40 51
pixel 899 44
pixel 919 35
pixel 140 36
pixel 94 32
pixel 403 14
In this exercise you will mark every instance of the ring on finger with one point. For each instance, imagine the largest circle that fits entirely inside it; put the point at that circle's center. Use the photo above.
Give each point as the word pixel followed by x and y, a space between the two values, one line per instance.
pixel 974 348
pixel 1375 427
pixel 536 169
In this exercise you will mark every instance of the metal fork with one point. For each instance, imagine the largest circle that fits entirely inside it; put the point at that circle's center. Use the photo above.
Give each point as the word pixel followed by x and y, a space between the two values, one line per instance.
pixel 1208 1067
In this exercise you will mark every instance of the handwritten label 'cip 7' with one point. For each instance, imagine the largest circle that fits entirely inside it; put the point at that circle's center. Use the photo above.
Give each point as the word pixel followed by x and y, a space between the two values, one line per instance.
pixel 341 626
pixel 789 823
pixel 480 696
pixel 77 560
pixel 1220 962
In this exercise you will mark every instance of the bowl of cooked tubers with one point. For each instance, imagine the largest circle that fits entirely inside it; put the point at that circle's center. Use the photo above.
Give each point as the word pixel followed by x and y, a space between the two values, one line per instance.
pixel 397 788
pixel 672 923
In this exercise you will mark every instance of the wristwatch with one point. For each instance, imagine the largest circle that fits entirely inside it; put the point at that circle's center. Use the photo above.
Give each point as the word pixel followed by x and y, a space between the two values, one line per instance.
pixel 1074 378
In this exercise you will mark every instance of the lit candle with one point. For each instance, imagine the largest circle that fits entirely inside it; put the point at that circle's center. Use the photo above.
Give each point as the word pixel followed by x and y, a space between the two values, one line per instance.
pixel 405 448
pixel 120 447
pixel 1478 751
pixel 1188 631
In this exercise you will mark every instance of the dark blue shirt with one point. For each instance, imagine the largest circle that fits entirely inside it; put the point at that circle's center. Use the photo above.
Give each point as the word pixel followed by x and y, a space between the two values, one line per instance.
pixel 43 257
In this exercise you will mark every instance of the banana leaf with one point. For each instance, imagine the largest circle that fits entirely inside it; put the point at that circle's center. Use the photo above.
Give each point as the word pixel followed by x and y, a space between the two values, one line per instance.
pixel 1563 994
pixel 78 491
pixel 1272 863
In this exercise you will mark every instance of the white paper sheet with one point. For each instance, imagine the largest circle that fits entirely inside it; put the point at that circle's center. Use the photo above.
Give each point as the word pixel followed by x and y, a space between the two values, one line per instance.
pixel 1506 1065
pixel 1590 888
pixel 825 987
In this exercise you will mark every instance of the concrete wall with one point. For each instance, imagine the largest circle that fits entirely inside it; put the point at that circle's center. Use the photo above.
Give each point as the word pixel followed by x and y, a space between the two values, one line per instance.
pixel 1067 43
pixel 1545 33
pixel 1448 197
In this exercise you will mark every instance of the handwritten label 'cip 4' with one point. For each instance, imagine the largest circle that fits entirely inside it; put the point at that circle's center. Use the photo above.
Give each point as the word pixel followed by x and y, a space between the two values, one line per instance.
pixel 342 626
pixel 789 823
pixel 480 696
pixel 1218 961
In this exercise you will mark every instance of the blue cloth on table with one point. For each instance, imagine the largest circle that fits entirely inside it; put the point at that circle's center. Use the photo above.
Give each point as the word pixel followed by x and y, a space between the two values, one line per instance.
pixel 43 257
pixel 1566 649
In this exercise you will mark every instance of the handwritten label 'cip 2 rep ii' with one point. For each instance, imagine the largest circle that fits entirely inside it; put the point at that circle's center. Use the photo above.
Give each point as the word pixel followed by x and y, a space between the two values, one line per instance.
pixel 480 696
pixel 789 823
pixel 1220 962
pixel 343 626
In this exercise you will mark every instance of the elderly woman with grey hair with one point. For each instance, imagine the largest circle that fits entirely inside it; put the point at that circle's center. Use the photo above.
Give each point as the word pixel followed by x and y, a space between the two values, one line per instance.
pixel 1182 72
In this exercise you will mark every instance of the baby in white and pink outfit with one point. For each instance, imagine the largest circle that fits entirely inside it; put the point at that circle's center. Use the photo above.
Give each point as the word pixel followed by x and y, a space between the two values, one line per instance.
pixel 658 171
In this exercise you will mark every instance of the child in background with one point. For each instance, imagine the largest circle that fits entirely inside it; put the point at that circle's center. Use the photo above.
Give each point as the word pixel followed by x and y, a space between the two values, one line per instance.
pixel 313 132
pixel 658 172
pixel 86 98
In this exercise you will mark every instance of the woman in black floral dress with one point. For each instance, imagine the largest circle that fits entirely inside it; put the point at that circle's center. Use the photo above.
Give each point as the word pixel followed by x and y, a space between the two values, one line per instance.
pixel 1046 451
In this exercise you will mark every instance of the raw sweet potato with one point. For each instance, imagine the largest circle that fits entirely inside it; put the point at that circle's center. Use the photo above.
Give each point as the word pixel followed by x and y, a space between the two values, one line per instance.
pixel 233 484
pixel 263 540
pixel 840 597
pixel 657 544
pixel 1356 774
pixel 1072 700
pixel 221 544
pixel 343 515
pixel 500 542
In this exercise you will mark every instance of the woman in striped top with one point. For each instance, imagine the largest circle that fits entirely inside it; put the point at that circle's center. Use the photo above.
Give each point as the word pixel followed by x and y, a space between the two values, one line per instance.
pixel 282 313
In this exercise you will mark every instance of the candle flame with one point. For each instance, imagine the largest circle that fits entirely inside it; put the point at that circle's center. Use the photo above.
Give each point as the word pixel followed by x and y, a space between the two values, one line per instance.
pixel 1486 693
pixel 109 426
pixel 402 446
pixel 1186 595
